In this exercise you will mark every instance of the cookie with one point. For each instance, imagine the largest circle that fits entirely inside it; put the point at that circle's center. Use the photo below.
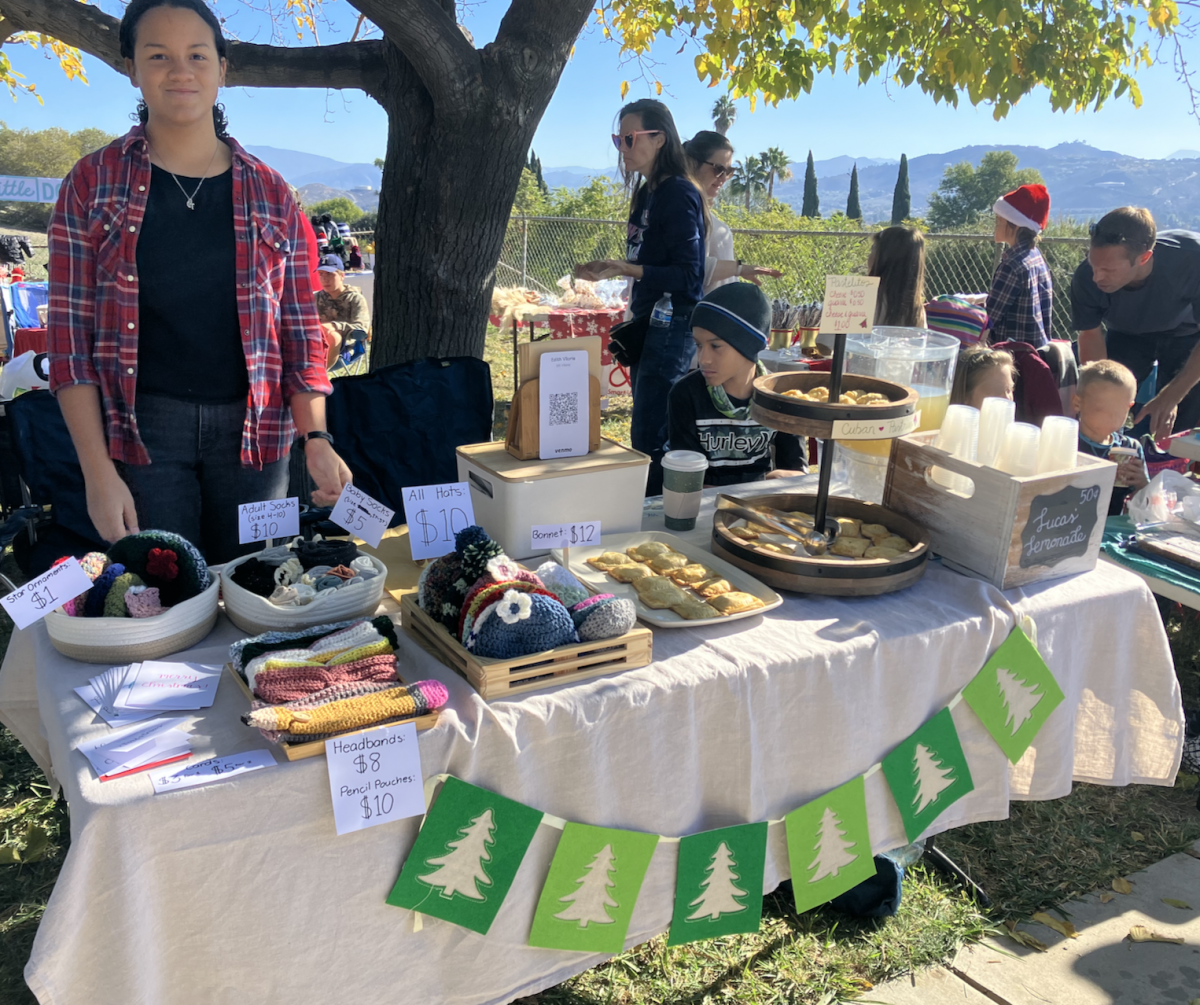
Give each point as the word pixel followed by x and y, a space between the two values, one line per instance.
pixel 659 592
pixel 629 573
pixel 736 603
pixel 694 610
pixel 895 542
pixel 877 552
pixel 850 547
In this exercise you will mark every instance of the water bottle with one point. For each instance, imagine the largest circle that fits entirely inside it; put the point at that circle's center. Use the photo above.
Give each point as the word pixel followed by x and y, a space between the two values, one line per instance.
pixel 660 317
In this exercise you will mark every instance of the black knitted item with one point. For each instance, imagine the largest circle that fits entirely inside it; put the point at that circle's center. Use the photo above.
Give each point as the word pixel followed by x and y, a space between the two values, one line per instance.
pixel 332 553
pixel 255 576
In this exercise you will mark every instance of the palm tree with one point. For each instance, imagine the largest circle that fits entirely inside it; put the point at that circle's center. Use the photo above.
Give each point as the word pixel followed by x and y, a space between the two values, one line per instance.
pixel 749 179
pixel 724 114
pixel 775 162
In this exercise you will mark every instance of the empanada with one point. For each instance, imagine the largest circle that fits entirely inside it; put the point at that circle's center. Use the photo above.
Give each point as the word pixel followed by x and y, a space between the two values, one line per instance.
pixel 649 550
pixel 630 573
pixel 779 549
pixel 608 560
pixel 877 552
pixel 694 610
pixel 665 563
pixel 745 533
pixel 849 527
pixel 851 547
pixel 688 574
pixel 659 592
pixel 713 587
pixel 736 603
pixel 873 530
pixel 895 542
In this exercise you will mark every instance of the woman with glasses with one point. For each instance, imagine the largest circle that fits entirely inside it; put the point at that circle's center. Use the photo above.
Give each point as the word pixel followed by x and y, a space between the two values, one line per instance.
pixel 664 254
pixel 711 158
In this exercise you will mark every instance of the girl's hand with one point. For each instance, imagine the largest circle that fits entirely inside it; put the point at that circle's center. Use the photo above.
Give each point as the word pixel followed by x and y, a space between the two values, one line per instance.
pixel 328 470
pixel 754 273
pixel 110 505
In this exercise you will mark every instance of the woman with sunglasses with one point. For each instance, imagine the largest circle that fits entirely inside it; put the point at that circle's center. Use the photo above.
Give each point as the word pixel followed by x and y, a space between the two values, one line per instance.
pixel 185 349
pixel 711 157
pixel 664 254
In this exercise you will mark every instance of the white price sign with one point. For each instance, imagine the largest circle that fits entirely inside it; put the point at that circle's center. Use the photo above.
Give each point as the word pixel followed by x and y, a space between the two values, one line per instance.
pixel 361 515
pixel 564 535
pixel 261 521
pixel 38 597
pixel 214 769
pixel 375 777
pixel 849 304
pixel 435 514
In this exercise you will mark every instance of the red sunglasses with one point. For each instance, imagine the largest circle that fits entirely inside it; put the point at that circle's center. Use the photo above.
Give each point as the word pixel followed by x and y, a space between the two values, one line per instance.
pixel 629 139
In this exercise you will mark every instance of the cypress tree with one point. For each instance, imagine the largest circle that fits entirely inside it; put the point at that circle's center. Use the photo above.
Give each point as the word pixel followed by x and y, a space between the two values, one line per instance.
pixel 853 209
pixel 901 198
pixel 812 204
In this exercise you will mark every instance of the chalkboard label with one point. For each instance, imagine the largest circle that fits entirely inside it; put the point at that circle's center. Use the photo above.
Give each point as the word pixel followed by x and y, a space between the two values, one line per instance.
pixel 1060 526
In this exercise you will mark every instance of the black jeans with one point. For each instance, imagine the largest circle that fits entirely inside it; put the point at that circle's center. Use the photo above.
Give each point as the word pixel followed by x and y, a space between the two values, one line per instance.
pixel 1139 353
pixel 195 480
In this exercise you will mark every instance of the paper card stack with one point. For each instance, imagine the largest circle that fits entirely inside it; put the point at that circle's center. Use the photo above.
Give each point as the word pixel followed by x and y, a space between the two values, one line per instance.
pixel 127 694
pixel 137 749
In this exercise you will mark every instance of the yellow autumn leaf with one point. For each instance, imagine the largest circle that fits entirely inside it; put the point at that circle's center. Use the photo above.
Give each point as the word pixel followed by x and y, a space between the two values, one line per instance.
pixel 1137 835
pixel 658 87
pixel 1122 885
pixel 1023 938
pixel 1173 902
pixel 624 89
pixel 1107 897
pixel 1062 927
pixel 1140 933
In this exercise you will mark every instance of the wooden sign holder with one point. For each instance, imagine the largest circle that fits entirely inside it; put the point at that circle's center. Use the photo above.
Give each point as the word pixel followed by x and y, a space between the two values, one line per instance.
pixel 523 436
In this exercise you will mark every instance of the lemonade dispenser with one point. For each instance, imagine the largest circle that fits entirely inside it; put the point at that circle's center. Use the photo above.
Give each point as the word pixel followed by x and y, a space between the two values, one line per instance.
pixel 922 359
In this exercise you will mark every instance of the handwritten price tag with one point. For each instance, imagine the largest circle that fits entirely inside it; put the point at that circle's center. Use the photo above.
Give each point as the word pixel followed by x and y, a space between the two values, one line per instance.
pixel 214 769
pixel 363 516
pixel 875 429
pixel 849 304
pixel 38 597
pixel 435 514
pixel 375 777
pixel 260 521
pixel 564 535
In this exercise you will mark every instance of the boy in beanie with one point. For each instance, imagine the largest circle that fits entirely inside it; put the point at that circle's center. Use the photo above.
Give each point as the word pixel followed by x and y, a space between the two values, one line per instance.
pixel 1019 303
pixel 709 409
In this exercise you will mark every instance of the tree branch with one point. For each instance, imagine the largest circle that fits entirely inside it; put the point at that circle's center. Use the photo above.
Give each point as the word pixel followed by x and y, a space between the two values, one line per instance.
pixel 536 36
pixel 432 42
pixel 347 65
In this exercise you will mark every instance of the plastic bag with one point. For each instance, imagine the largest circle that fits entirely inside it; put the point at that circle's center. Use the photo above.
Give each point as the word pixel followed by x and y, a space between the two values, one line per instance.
pixel 1170 500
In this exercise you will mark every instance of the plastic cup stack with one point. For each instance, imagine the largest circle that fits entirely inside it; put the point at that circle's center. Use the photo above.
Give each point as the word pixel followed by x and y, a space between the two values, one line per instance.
pixel 959 436
pixel 1058 447
pixel 1019 451
pixel 995 417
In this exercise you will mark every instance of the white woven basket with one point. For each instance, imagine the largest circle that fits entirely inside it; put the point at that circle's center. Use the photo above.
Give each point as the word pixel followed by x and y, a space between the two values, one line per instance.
pixel 255 614
pixel 127 640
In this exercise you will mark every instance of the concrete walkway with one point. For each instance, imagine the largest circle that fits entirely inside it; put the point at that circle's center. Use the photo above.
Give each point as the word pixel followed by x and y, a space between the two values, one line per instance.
pixel 1100 967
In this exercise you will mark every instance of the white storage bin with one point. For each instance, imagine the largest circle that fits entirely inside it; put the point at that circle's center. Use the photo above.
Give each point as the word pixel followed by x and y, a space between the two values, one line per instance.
pixel 510 496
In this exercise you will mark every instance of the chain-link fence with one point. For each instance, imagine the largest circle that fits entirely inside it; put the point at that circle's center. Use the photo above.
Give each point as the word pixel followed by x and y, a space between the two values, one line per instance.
pixel 538 251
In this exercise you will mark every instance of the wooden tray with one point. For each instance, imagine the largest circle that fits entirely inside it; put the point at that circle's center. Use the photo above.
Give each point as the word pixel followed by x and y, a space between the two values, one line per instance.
pixel 831 577
pixel 503 678
pixel 773 409
pixel 316 748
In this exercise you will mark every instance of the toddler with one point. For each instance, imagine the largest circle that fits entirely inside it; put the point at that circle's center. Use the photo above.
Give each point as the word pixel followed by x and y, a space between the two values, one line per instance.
pixel 1102 400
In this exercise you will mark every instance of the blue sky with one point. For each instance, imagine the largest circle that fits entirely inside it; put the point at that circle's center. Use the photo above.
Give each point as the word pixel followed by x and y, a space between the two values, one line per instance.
pixel 839 117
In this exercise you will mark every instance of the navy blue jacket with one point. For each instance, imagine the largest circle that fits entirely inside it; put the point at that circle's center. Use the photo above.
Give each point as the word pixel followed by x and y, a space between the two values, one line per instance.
pixel 666 238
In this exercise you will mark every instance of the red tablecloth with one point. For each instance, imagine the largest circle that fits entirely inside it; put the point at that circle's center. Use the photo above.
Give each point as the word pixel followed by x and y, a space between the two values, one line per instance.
pixel 577 322
pixel 25 339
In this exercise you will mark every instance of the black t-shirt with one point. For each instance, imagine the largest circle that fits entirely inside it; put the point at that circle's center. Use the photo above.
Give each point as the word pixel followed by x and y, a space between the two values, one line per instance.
pixel 189 340
pixel 738 450
pixel 1168 303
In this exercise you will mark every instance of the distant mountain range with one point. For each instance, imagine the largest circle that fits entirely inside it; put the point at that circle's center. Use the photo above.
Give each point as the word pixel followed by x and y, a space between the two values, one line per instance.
pixel 1084 182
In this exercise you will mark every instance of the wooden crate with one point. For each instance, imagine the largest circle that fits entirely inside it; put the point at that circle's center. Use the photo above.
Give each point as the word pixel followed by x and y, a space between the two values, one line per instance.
pixel 316 748
pixel 503 678
pixel 1011 531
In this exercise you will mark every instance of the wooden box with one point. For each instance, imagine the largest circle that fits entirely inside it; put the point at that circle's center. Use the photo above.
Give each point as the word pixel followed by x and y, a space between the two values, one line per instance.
pixel 504 678
pixel 1011 531
pixel 316 748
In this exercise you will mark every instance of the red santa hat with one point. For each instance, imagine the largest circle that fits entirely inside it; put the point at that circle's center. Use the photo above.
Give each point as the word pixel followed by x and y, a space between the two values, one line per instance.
pixel 1027 206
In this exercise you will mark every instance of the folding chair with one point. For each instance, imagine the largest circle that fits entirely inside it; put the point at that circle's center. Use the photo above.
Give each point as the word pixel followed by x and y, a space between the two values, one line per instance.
pixel 26 298
pixel 353 357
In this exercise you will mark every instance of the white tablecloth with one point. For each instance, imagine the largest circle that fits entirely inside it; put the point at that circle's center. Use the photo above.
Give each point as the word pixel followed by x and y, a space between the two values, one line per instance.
pixel 242 892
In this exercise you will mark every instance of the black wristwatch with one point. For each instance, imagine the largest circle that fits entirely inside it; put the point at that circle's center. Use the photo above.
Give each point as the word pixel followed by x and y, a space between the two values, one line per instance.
pixel 316 434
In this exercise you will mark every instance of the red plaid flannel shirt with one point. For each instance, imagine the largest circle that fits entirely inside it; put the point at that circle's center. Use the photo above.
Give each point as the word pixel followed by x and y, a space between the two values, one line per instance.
pixel 93 322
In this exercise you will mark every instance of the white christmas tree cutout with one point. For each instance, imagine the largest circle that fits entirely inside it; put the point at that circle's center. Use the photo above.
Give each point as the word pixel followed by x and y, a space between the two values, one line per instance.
pixel 932 777
pixel 833 849
pixel 1020 698
pixel 461 870
pixel 590 902
pixel 720 894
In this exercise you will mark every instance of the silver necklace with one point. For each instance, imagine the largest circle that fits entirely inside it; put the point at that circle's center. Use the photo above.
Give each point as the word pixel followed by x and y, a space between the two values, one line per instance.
pixel 191 199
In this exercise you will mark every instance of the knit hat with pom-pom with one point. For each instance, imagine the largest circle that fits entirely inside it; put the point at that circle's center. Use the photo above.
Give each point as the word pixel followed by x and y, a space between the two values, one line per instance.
pixel 522 623
pixel 476 549
pixel 603 617
pixel 438 594
pixel 165 560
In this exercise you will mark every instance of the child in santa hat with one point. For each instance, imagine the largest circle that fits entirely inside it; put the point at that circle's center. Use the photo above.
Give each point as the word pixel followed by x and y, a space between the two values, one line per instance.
pixel 1019 303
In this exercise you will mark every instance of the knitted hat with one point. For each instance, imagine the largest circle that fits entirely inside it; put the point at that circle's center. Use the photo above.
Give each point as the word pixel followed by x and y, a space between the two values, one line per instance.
pixel 114 603
pixel 522 623
pixel 603 617
pixel 437 590
pixel 562 583
pixel 1027 206
pixel 476 549
pixel 484 598
pixel 93 607
pixel 737 313
pixel 144 604
pixel 165 560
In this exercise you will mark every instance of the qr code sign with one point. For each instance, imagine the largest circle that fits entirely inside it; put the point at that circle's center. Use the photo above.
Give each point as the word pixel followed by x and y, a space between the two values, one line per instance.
pixel 564 409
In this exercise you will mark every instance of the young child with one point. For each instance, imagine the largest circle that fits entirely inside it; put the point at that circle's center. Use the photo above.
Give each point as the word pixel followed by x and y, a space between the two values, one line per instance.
pixel 1102 399
pixel 982 373
pixel 709 409
pixel 1019 303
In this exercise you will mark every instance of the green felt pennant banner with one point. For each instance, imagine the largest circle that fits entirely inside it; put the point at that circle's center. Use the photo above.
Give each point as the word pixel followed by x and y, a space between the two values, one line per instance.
pixel 829 845
pixel 718 886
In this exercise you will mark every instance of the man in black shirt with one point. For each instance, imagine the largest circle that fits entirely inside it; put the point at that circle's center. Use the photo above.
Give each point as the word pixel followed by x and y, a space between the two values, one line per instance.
pixel 1136 300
